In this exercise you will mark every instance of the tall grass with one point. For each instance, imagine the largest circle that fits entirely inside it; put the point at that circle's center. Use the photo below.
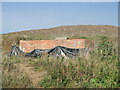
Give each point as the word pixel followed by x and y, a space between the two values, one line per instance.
pixel 12 76
pixel 99 70
pixel 79 72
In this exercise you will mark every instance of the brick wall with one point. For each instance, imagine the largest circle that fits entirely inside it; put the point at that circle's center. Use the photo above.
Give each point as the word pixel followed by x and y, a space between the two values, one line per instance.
pixel 30 45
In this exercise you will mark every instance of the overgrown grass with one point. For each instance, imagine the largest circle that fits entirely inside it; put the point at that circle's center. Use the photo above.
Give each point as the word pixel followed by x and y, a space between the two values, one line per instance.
pixel 79 72
pixel 100 70
pixel 12 76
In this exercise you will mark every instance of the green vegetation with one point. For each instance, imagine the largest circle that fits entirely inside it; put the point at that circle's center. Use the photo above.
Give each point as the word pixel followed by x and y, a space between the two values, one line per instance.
pixel 100 70
pixel 12 76
pixel 81 72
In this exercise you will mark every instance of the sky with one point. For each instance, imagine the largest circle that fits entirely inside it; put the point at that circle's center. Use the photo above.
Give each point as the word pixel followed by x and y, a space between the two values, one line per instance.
pixel 19 16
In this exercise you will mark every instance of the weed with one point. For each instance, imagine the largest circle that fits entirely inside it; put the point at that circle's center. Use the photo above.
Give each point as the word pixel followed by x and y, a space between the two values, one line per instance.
pixel 98 71
pixel 12 77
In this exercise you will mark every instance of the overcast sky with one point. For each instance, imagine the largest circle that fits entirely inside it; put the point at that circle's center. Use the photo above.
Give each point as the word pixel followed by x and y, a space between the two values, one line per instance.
pixel 18 16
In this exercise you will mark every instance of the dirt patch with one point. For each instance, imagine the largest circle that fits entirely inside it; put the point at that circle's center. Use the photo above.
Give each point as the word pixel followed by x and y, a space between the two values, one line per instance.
pixel 34 76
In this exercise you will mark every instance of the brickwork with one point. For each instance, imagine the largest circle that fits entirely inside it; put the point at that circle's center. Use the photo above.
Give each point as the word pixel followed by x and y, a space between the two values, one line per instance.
pixel 28 46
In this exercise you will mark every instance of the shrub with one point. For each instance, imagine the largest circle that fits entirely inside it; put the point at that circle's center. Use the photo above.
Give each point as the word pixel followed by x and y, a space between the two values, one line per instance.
pixel 12 77
pixel 98 71
pixel 105 48
pixel 82 73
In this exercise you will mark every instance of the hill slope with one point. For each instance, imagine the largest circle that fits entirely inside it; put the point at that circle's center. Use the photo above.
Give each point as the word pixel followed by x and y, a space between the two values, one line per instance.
pixel 72 32
pixel 99 70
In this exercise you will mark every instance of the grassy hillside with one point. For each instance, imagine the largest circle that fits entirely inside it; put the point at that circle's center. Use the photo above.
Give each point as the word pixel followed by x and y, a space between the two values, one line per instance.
pixel 72 32
pixel 99 70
